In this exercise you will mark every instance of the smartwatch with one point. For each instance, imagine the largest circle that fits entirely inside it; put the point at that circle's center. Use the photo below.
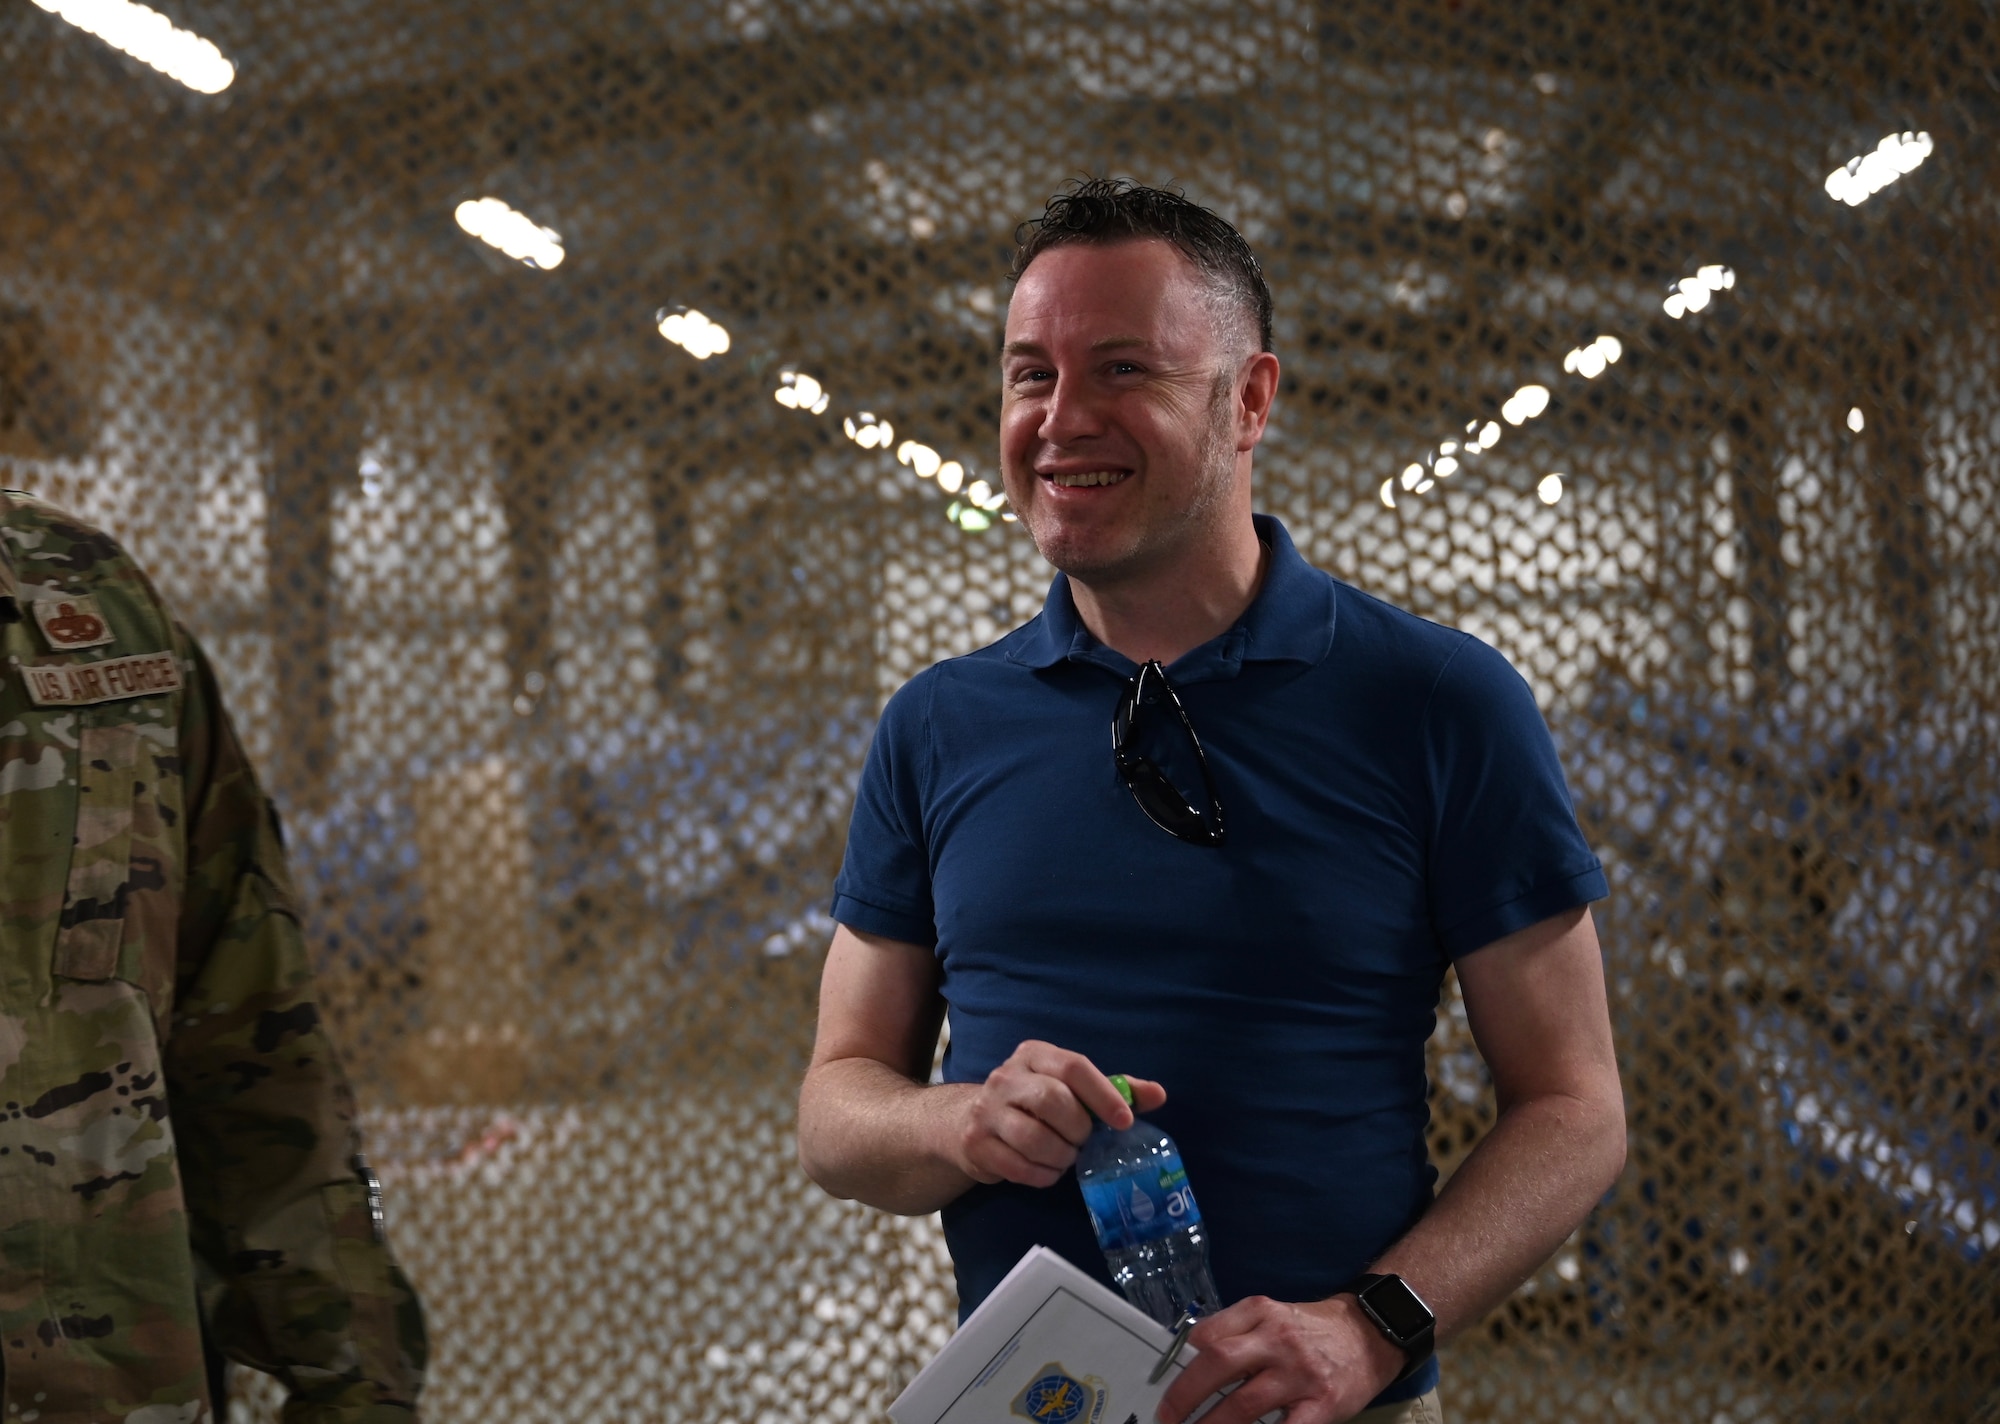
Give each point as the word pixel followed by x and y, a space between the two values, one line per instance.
pixel 1399 1313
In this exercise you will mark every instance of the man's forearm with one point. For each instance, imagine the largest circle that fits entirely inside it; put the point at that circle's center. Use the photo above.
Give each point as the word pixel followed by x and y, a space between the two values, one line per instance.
pixel 1519 1195
pixel 868 1133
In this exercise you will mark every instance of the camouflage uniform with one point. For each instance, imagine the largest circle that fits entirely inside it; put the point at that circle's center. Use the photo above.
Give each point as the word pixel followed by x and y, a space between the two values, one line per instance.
pixel 178 1159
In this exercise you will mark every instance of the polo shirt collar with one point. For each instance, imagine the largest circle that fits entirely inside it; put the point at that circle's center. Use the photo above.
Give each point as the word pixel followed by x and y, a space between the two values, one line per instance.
pixel 1290 620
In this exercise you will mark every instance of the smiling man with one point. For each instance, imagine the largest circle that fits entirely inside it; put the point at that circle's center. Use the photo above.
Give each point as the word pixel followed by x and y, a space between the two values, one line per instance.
pixel 1315 805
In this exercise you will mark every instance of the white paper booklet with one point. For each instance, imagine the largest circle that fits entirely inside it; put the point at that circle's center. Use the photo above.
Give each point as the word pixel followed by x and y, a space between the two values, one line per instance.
pixel 1051 1346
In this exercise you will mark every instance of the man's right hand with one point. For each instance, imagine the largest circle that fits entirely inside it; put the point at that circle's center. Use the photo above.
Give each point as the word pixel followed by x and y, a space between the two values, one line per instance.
pixel 1026 1122
pixel 872 1128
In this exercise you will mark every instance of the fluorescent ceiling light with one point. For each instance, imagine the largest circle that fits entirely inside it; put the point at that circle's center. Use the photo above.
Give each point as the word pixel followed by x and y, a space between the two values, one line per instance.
pixel 1691 294
pixel 869 430
pixel 949 474
pixel 516 234
pixel 1525 404
pixel 1861 178
pixel 699 335
pixel 151 38
pixel 921 458
pixel 1590 361
pixel 798 391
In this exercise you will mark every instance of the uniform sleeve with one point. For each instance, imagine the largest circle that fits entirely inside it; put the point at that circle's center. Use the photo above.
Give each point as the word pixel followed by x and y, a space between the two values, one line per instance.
pixel 884 886
pixel 296 1278
pixel 1505 849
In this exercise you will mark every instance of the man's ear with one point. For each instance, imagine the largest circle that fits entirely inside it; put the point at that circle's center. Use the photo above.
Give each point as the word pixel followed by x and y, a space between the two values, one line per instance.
pixel 1257 387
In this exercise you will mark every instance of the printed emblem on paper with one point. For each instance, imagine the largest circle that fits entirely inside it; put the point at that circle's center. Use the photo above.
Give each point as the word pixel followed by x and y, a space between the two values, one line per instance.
pixel 72 621
pixel 1055 1396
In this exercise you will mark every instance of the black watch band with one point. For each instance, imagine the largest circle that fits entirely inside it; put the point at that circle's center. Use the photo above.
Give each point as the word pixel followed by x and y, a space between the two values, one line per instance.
pixel 1401 1315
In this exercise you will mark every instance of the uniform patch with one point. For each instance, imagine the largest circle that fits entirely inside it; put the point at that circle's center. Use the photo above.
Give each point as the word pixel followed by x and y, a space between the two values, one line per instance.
pixel 81 684
pixel 72 621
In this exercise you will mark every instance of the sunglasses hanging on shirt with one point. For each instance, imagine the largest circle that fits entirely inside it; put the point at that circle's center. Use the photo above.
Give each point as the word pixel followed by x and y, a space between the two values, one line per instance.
pixel 1148 700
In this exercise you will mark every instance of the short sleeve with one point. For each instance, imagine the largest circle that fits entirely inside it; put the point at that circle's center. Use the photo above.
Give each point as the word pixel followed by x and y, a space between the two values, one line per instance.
pixel 884 887
pixel 1505 849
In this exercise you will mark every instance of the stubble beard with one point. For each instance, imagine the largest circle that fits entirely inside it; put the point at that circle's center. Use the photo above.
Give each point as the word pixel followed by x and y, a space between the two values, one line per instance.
pixel 1158 540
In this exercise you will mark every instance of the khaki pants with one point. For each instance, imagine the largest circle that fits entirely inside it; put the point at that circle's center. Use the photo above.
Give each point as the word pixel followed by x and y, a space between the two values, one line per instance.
pixel 1424 1409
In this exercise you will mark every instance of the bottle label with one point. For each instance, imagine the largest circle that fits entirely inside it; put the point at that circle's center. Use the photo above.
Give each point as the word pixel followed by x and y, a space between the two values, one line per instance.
pixel 1150 1204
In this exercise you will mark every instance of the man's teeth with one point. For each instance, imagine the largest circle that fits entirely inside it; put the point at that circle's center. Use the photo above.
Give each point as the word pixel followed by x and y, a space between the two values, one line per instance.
pixel 1087 478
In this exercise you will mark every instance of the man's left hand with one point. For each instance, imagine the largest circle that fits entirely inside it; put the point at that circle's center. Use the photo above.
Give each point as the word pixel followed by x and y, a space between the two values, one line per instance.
pixel 1320 1363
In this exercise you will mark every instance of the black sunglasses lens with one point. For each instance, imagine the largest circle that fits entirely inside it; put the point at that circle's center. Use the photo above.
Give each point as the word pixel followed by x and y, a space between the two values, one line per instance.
pixel 1160 760
pixel 1158 735
pixel 1164 804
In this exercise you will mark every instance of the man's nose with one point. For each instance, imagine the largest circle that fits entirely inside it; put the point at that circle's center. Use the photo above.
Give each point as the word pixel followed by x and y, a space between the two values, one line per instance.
pixel 1072 413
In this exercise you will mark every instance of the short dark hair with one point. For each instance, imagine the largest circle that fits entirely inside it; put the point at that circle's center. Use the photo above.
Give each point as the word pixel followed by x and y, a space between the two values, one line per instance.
pixel 1099 211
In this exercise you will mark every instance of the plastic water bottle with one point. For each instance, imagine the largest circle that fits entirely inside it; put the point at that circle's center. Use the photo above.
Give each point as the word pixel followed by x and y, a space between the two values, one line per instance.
pixel 1147 1222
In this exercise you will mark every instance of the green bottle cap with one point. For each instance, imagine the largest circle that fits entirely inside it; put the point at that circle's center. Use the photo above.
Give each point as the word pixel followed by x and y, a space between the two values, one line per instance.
pixel 1124 1087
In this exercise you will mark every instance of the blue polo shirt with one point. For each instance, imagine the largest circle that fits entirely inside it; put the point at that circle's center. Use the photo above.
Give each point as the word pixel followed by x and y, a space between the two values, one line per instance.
pixel 1393 801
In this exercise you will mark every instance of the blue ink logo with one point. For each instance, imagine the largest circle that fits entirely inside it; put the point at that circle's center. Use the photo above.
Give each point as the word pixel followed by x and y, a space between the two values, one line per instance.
pixel 1054 1397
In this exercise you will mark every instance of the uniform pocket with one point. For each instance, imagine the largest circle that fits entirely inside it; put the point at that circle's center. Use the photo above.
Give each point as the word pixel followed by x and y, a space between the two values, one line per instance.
pixel 96 898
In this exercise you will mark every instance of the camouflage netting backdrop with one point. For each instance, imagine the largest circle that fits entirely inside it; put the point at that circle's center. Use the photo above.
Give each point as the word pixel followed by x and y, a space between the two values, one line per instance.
pixel 561 639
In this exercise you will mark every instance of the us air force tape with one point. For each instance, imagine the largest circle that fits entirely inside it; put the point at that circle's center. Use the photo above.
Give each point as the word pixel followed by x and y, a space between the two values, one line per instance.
pixel 81 684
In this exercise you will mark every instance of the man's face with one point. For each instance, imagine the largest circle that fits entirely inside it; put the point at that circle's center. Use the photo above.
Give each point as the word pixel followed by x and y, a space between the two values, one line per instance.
pixel 1118 429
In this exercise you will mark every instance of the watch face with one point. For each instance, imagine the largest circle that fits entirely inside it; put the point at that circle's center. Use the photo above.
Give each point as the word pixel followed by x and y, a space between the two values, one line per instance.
pixel 1398 1308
